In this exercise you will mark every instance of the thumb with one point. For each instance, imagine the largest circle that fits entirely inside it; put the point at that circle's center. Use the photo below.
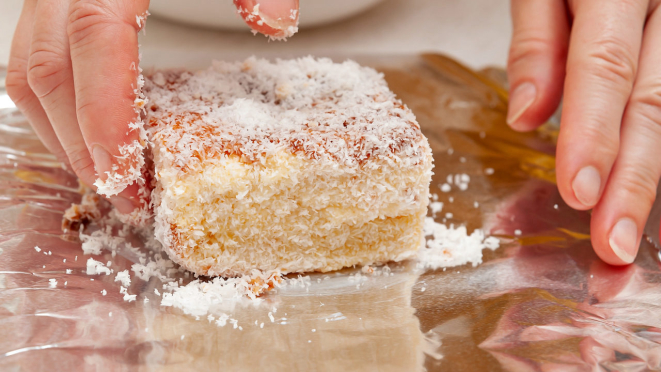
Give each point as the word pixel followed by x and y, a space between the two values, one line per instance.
pixel 275 18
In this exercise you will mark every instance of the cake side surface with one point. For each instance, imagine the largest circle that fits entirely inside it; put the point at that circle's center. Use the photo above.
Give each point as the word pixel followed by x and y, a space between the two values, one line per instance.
pixel 297 165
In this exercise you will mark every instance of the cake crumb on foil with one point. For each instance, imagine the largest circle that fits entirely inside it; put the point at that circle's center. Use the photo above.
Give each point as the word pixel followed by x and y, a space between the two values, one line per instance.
pixel 124 278
pixel 95 267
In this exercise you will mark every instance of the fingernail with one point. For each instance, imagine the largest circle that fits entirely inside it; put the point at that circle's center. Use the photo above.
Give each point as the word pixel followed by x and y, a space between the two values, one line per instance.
pixel 122 204
pixel 102 161
pixel 623 239
pixel 586 186
pixel 521 99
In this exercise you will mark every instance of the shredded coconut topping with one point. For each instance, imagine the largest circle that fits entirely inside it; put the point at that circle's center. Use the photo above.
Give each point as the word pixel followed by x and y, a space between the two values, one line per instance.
pixel 315 107
pixel 95 267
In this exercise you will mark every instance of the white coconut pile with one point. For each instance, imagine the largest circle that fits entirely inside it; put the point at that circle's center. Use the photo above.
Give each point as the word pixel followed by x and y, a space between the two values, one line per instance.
pixel 453 246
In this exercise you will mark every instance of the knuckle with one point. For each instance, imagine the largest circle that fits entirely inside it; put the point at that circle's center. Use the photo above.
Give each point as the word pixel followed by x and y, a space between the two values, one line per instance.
pixel 640 182
pixel 61 155
pixel 16 82
pixel 612 59
pixel 47 70
pixel 527 46
pixel 89 17
pixel 81 163
pixel 604 143
pixel 646 101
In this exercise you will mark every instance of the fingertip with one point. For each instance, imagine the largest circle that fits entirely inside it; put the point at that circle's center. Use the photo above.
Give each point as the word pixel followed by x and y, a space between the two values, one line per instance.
pixel 274 18
pixel 580 181
pixel 615 233
pixel 587 186
pixel 128 200
pixel 123 205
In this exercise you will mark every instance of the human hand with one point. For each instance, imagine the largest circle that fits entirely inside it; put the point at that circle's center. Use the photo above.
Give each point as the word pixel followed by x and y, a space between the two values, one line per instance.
pixel 73 73
pixel 606 54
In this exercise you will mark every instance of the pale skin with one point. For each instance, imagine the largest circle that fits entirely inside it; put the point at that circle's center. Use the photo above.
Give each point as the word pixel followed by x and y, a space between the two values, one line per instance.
pixel 69 73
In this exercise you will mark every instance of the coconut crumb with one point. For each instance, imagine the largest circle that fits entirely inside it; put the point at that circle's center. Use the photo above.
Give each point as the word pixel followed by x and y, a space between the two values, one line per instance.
pixel 80 215
pixel 96 268
pixel 435 207
pixel 127 297
pixel 450 246
pixel 124 278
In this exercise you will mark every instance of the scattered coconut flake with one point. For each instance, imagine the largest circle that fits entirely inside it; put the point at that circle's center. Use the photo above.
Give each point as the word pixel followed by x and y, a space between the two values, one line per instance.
pixel 37 249
pixel 96 268
pixel 52 283
pixel 124 278
pixel 367 269
pixel 445 187
pixel 68 271
pixel 489 171
pixel 517 232
pixel 104 292
pixel 127 297
pixel 435 207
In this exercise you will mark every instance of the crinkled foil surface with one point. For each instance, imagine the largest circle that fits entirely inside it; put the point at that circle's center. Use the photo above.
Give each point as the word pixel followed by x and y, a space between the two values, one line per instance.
pixel 542 302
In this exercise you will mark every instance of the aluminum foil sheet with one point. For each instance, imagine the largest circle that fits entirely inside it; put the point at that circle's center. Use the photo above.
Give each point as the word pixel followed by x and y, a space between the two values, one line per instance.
pixel 541 302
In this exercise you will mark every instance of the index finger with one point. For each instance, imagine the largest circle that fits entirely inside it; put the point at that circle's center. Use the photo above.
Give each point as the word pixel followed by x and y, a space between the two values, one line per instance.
pixel 103 38
pixel 602 63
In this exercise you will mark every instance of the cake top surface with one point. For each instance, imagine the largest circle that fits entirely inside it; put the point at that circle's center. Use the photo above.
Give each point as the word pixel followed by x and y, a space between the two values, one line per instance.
pixel 339 112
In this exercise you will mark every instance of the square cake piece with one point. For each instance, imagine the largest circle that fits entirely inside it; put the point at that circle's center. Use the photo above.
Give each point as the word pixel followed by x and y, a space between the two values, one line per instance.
pixel 290 166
